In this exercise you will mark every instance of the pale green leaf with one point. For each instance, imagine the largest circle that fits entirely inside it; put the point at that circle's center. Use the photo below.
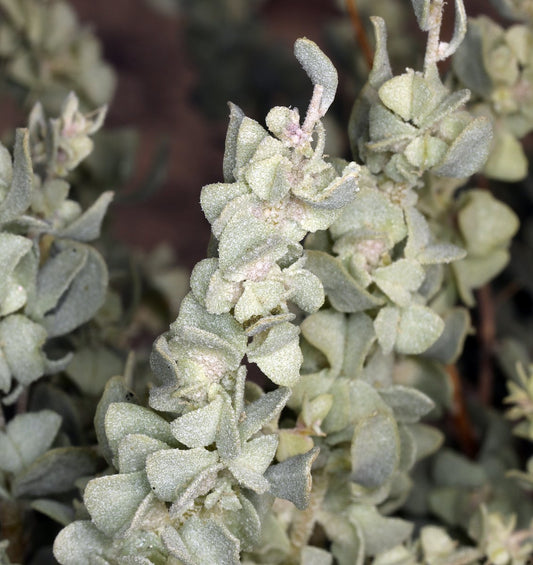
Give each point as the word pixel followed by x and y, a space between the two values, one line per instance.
pixel 133 450
pixel 291 479
pixel 318 68
pixel 342 290
pixel 375 450
pixel 113 500
pixel 56 471
pixel 83 298
pixel 18 198
pixel 262 411
pixel 87 226
pixel 172 470
pixel 198 428
pixel 236 117
pixel 468 152
pixel 418 329
pixel 76 541
pixel 278 354
pixel 122 419
pixel 27 436
pixel 407 403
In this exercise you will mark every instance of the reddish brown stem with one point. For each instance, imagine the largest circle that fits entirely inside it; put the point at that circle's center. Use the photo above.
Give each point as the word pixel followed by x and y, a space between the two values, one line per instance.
pixel 12 528
pixel 360 32
pixel 487 339
pixel 461 421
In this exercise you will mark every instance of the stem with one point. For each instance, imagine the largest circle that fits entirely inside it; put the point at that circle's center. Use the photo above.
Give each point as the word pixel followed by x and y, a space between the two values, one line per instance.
pixel 487 339
pixel 314 113
pixel 432 47
pixel 304 521
pixel 464 430
pixel 12 529
pixel 360 32
pixel 22 402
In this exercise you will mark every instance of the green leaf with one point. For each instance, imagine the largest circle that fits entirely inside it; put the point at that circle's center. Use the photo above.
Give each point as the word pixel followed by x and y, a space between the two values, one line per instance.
pixel 72 543
pixel 210 542
pixel 316 556
pixel 87 226
pixel 507 161
pixel 115 391
pixel 306 290
pixel 375 450
pixel 379 533
pixel 485 222
pixel 236 117
pixel 277 353
pixel 421 8
pixel 326 330
pixel 13 295
pixel 360 337
pixel 318 68
pixel 408 404
pixel 27 437
pixel 59 512
pixel 468 152
pixel 215 197
pixel 427 438
pixel 22 342
pixel 291 479
pixel 400 279
pixel 473 272
pixel 19 196
pixel 343 291
pixel 449 346
pixel 418 329
pixel 249 137
pixel 381 69
pixel 92 367
pixel 122 419
pixel 453 469
pixel 397 94
pixel 256 456
pixel 56 471
pixel 83 298
pixel 133 451
pixel 386 326
pixel 372 212
pixel 172 470
pixel 56 275
pixel 113 500
pixel 227 437
pixel 269 178
pixel 262 411
pixel 198 428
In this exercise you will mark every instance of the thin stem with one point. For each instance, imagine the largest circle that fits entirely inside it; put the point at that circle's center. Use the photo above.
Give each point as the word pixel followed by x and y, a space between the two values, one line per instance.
pixel 464 430
pixel 360 32
pixel 435 22
pixel 314 113
pixel 487 339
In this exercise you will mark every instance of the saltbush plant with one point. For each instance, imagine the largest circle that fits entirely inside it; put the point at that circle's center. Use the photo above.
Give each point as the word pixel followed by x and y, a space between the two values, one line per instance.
pixel 349 284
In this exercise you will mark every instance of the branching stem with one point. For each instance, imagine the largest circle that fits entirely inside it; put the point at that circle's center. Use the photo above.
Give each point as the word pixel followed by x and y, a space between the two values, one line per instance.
pixel 360 33
pixel 433 42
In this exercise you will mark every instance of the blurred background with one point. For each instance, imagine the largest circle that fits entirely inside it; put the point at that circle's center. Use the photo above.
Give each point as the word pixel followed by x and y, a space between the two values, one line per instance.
pixel 178 62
